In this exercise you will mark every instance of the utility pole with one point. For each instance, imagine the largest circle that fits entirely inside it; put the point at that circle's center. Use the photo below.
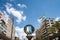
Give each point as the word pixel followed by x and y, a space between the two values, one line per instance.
pixel 12 26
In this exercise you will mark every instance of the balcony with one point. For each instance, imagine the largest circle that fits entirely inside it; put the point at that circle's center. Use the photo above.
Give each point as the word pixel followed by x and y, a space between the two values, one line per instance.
pixel 2 29
pixel 3 36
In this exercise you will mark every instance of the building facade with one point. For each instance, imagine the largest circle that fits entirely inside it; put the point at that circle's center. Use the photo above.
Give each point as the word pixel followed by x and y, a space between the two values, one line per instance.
pixel 6 28
pixel 43 32
pixel 3 29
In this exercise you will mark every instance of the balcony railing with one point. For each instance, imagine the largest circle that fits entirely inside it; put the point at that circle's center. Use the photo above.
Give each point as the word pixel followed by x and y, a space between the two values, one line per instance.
pixel 3 29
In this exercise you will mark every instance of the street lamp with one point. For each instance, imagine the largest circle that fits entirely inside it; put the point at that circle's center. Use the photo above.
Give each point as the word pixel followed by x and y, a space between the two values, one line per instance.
pixel 29 29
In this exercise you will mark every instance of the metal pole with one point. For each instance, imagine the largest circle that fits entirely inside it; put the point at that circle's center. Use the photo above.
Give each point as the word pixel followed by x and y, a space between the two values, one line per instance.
pixel 12 26
pixel 11 31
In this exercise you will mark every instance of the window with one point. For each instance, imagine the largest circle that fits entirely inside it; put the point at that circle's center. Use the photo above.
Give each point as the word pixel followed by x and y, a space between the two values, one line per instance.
pixel 2 29
pixel 52 23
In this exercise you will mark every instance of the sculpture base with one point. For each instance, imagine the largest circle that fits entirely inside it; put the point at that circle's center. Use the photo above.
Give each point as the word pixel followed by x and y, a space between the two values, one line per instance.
pixel 29 37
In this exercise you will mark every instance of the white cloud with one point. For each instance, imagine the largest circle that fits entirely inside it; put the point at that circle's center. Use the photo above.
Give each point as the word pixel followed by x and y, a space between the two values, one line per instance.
pixel 22 5
pixel 24 18
pixel 9 4
pixel 57 19
pixel 20 33
pixel 16 13
pixel 34 34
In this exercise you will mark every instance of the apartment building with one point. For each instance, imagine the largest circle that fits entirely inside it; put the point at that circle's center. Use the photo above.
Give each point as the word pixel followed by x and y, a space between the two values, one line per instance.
pixel 6 28
pixel 43 32
pixel 3 29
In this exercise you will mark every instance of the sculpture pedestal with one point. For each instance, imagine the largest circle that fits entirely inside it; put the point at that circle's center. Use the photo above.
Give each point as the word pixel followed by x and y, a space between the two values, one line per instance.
pixel 29 37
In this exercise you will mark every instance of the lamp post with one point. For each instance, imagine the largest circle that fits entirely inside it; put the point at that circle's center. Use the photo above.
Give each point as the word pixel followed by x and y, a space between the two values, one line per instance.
pixel 29 29
pixel 29 37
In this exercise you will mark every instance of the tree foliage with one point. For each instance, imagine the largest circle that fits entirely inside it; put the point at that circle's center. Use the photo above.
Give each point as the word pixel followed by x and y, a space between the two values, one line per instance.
pixel 57 25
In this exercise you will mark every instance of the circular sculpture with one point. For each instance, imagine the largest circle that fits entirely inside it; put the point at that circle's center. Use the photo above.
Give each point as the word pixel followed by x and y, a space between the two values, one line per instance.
pixel 29 29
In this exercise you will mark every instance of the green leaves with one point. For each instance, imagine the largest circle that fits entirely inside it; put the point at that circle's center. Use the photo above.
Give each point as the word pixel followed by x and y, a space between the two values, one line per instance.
pixel 51 30
pixel 57 25
pixel 54 27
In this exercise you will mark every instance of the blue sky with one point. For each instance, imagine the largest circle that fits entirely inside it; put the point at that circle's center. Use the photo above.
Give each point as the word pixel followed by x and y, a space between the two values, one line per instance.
pixel 35 9
pixel 31 10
